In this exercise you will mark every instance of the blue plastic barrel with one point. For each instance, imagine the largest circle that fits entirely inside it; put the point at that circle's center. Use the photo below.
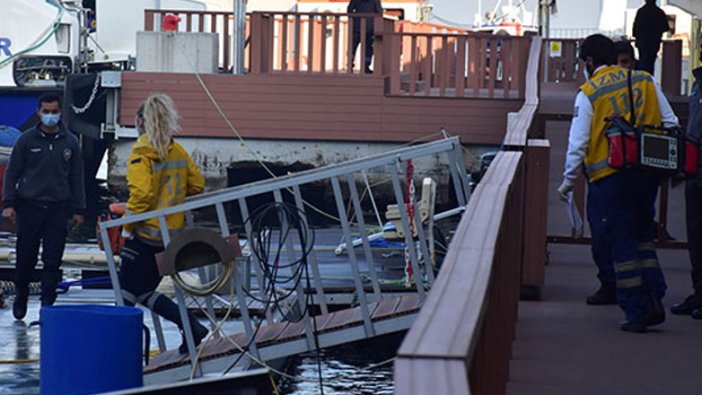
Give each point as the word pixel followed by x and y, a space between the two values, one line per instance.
pixel 88 349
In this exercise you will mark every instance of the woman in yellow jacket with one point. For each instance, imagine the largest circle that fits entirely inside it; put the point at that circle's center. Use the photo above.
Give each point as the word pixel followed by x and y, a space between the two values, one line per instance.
pixel 160 174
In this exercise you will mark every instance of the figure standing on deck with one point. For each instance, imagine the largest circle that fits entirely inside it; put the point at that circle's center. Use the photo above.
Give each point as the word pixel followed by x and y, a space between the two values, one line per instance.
pixel 649 25
pixel 620 205
pixel 43 188
pixel 692 305
pixel 160 174
pixel 364 7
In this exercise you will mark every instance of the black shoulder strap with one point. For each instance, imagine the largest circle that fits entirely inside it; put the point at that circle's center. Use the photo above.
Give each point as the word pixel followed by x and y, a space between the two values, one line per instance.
pixel 632 110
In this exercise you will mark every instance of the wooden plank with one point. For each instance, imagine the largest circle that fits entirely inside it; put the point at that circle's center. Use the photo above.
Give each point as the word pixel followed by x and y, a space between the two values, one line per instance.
pixel 310 44
pixel 284 43
pixel 362 57
pixel 201 23
pixel 408 304
pixel 269 333
pixel 460 81
pixel 414 72
pixel 386 307
pixel 323 44
pixel 505 56
pixel 536 213
pixel 341 319
pixel 336 36
pixel 443 66
pixel 298 39
pixel 428 67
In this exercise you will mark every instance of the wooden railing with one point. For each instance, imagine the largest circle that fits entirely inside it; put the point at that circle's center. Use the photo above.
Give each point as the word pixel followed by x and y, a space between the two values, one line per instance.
pixel 456 65
pixel 311 42
pixel 219 22
pixel 560 61
pixel 461 342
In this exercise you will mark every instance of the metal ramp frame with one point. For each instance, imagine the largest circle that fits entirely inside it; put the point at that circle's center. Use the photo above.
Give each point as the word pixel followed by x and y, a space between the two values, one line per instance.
pixel 375 314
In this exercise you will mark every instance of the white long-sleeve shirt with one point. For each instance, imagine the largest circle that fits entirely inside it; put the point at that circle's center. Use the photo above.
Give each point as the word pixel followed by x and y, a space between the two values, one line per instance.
pixel 579 135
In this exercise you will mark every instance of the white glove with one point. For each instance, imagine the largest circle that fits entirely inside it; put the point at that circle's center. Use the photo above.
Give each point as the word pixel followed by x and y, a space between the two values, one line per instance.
pixel 565 189
pixel 127 234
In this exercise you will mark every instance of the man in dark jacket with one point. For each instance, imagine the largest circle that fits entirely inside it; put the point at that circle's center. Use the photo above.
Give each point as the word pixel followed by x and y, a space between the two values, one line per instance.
pixel 649 25
pixel 692 305
pixel 43 187
pixel 364 7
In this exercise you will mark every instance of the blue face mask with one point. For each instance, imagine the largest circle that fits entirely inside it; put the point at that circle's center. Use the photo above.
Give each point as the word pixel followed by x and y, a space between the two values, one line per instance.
pixel 50 120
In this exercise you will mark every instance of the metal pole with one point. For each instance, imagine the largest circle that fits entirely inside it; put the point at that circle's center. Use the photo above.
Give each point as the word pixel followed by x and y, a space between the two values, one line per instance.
pixel 239 37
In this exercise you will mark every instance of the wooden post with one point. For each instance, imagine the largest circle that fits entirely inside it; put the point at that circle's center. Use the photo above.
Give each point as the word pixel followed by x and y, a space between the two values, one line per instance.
pixel 460 81
pixel 414 69
pixel 284 44
pixel 323 44
pixel 535 218
pixel 671 69
pixel 427 65
pixel 336 36
pixel 148 20
pixel 256 43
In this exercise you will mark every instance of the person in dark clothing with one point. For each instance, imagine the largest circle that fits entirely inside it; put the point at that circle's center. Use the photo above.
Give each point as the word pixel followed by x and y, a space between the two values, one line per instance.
pixel 364 7
pixel 43 187
pixel 649 25
pixel 692 305
pixel 625 55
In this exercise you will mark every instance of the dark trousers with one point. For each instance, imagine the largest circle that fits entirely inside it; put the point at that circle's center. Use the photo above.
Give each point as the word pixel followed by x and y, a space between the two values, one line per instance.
pixel 620 211
pixel 138 273
pixel 647 56
pixel 693 213
pixel 139 278
pixel 42 224
pixel 370 34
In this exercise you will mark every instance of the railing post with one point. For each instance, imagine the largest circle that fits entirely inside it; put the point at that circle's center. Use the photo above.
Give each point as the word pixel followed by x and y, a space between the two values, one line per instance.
pixel 256 43
pixel 148 20
pixel 671 68
pixel 261 43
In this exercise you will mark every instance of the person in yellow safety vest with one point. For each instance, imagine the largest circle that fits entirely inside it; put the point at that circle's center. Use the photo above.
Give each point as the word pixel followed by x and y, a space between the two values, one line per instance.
pixel 620 205
pixel 160 174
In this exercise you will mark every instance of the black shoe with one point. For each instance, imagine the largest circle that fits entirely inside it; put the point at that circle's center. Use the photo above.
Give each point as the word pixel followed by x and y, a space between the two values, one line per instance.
pixel 603 296
pixel 657 314
pixel 691 303
pixel 633 327
pixel 697 313
pixel 199 333
pixel 19 307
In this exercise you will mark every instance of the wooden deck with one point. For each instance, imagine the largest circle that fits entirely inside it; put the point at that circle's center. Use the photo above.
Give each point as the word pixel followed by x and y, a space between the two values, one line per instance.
pixel 284 332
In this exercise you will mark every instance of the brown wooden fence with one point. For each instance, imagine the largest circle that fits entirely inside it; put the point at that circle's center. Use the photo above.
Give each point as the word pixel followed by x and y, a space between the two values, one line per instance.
pixel 461 342
pixel 311 42
pixel 455 65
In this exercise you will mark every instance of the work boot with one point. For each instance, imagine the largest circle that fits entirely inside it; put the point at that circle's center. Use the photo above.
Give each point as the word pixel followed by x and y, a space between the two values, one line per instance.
pixel 633 327
pixel 19 307
pixel 656 315
pixel 697 313
pixel 686 307
pixel 199 333
pixel 604 296
pixel 168 309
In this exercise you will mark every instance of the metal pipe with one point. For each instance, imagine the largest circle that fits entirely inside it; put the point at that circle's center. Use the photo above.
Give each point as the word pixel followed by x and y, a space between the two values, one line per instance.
pixel 239 37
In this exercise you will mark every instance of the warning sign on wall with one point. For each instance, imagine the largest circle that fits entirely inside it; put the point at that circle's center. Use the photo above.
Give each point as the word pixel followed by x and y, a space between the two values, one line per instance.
pixel 555 49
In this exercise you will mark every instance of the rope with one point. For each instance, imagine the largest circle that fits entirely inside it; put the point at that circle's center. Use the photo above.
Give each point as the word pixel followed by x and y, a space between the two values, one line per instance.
pixel 409 207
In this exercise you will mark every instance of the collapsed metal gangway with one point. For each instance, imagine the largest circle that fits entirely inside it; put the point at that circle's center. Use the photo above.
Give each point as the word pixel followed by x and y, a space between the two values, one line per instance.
pixel 376 312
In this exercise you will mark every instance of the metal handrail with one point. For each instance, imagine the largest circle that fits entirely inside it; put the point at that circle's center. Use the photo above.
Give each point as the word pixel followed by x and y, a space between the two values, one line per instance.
pixel 394 160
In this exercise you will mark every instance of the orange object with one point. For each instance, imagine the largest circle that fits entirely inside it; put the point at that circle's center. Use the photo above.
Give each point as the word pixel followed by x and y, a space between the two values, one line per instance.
pixel 114 234
pixel 170 23
pixel 118 208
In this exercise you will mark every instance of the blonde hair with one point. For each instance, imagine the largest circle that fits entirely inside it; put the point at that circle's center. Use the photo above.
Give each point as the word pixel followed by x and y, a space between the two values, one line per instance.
pixel 160 118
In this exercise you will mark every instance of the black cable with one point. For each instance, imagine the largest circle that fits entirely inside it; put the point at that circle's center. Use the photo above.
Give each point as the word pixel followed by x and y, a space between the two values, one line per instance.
pixel 283 220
